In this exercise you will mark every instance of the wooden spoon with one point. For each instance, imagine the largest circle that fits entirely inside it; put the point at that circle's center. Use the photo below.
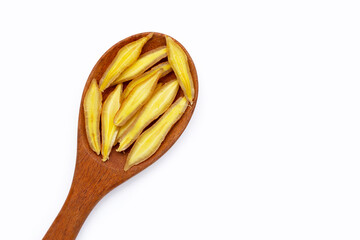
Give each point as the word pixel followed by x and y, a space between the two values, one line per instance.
pixel 93 179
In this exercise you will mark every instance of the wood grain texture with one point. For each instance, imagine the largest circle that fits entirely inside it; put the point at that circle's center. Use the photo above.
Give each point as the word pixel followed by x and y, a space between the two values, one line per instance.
pixel 93 179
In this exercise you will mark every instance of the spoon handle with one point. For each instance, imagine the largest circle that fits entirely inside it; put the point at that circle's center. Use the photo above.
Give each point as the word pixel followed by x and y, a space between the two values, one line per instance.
pixel 90 183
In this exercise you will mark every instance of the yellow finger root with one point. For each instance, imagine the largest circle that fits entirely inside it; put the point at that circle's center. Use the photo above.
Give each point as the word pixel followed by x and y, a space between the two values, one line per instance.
pixel 136 99
pixel 158 86
pixel 126 56
pixel 124 128
pixel 179 63
pixel 156 106
pixel 144 62
pixel 92 111
pixel 108 129
pixel 149 141
pixel 164 66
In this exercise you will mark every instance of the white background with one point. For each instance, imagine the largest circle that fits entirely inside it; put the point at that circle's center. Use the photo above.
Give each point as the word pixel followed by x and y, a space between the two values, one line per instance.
pixel 272 150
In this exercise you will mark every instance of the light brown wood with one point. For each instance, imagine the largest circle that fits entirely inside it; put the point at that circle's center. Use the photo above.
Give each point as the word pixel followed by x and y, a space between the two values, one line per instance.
pixel 93 179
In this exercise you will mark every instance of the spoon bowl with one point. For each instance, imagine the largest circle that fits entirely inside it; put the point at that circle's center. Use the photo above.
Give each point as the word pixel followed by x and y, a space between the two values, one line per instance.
pixel 93 179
